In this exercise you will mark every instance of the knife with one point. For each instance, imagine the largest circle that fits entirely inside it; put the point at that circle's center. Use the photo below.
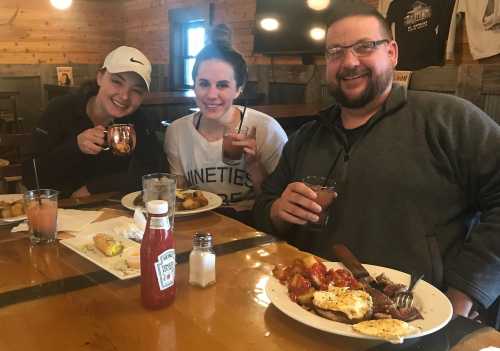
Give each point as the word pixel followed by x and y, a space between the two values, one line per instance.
pixel 359 272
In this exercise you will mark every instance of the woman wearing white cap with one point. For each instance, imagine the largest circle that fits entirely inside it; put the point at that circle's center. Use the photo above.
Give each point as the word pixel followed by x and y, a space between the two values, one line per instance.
pixel 70 134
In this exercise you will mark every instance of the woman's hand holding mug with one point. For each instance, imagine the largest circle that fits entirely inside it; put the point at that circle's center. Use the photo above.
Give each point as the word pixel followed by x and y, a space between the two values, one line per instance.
pixel 90 140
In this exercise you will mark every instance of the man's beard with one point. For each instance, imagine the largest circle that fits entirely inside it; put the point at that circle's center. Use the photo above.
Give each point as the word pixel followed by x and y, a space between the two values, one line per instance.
pixel 375 87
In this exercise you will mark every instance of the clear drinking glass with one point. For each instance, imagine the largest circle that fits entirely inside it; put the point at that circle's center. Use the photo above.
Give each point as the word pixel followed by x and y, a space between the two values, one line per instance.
pixel 160 186
pixel 232 154
pixel 41 210
pixel 326 191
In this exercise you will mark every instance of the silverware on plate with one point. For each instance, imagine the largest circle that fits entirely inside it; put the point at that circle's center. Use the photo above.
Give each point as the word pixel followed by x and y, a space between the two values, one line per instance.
pixel 404 299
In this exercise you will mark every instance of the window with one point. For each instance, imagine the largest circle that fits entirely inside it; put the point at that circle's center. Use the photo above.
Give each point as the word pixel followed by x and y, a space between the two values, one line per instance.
pixel 187 31
pixel 194 40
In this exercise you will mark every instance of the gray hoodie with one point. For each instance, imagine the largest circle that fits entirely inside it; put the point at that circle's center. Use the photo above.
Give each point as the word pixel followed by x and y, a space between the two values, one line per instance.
pixel 424 166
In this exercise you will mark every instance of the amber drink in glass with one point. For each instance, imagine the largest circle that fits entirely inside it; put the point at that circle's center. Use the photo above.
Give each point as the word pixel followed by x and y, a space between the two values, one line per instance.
pixel 326 191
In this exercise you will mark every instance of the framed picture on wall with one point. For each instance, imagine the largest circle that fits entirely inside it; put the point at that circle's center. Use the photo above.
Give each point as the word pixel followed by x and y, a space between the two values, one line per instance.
pixel 65 76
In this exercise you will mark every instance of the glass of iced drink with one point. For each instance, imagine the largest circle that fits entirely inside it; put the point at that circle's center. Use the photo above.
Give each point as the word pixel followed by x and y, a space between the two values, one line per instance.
pixel 232 154
pixel 41 210
pixel 160 186
pixel 326 191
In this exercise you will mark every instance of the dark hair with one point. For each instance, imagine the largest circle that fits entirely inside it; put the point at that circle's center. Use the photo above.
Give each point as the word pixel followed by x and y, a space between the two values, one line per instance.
pixel 219 48
pixel 347 8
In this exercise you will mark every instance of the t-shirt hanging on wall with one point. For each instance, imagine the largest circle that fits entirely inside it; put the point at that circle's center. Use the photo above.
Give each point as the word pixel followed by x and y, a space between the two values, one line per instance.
pixel 421 30
pixel 482 21
pixel 383 6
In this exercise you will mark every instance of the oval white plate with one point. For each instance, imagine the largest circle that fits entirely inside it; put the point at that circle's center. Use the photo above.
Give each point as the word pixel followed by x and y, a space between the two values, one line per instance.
pixel 432 304
pixel 214 201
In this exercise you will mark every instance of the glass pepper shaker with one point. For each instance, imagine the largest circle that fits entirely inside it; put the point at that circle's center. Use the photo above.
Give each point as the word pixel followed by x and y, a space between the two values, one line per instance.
pixel 202 261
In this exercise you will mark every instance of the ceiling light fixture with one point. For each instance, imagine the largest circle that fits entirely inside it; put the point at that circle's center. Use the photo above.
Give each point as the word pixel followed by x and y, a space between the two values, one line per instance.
pixel 269 23
pixel 317 33
pixel 61 4
pixel 318 5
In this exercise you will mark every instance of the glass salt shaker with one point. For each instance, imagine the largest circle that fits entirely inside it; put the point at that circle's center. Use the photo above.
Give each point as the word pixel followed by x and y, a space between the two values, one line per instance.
pixel 202 261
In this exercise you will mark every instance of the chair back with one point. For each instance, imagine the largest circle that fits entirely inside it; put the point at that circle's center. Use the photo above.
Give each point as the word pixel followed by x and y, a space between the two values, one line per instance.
pixel 14 149
pixel 10 122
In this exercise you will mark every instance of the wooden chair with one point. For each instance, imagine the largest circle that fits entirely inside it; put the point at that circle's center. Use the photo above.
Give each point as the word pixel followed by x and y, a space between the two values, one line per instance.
pixel 9 119
pixel 15 148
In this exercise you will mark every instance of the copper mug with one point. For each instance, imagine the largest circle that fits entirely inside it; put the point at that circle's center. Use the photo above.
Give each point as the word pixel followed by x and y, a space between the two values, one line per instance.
pixel 120 139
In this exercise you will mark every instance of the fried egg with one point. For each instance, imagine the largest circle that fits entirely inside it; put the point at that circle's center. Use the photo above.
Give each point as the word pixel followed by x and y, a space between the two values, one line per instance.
pixel 355 304
pixel 392 330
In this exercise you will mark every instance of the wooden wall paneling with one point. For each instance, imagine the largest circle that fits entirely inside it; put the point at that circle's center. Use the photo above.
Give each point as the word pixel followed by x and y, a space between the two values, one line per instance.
pixel 470 83
pixel 439 79
pixel 8 70
pixel 41 34
pixel 263 81
pixel 491 79
pixel 492 106
pixel 313 85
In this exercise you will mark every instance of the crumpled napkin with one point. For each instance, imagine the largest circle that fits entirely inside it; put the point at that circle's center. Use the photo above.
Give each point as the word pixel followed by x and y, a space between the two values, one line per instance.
pixel 135 228
pixel 68 220
pixel 130 228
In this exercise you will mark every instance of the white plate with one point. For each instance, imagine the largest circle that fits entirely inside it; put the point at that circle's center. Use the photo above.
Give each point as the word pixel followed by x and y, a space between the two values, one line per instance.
pixel 432 304
pixel 11 198
pixel 214 201
pixel 84 246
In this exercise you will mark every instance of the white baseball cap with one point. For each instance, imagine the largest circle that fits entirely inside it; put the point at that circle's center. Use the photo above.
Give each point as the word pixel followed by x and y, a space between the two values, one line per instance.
pixel 128 59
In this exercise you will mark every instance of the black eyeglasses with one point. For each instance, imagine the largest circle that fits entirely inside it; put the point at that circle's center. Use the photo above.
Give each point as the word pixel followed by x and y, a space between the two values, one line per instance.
pixel 360 49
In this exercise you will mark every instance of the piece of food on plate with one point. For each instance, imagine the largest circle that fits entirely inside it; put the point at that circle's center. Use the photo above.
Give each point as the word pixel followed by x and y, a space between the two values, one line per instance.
pixel 5 211
pixel 392 330
pixel 133 258
pixel 138 201
pixel 193 200
pixel 11 209
pixel 17 208
pixel 301 290
pixel 343 305
pixel 133 262
pixel 107 244
pixel 180 194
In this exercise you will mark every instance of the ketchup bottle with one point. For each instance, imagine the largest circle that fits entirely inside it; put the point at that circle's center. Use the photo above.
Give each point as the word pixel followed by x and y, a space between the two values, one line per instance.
pixel 157 258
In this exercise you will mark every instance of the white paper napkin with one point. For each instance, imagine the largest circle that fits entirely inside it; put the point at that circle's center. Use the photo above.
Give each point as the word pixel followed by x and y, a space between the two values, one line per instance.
pixel 67 220
pixel 123 226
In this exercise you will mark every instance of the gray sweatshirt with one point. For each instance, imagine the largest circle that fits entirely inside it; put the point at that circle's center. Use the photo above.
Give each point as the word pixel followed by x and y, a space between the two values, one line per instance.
pixel 409 186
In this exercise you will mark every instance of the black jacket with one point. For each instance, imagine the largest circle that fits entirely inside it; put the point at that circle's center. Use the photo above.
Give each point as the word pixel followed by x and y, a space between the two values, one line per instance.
pixel 61 164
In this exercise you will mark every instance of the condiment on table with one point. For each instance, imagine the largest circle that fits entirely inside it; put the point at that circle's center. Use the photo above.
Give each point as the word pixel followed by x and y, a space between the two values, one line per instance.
pixel 202 261
pixel 157 258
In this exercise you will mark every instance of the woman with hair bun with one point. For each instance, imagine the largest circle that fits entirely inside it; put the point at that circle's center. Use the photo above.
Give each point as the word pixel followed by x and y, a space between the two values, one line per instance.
pixel 193 143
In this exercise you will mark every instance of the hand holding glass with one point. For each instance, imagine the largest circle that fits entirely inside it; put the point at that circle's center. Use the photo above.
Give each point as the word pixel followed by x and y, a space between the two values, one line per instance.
pixel 232 154
pixel 326 193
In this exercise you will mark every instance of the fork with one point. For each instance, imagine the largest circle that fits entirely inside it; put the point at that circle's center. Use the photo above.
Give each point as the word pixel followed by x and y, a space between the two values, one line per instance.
pixel 404 299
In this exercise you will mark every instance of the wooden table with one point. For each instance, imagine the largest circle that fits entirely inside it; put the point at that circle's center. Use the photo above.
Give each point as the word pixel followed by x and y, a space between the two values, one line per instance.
pixel 53 299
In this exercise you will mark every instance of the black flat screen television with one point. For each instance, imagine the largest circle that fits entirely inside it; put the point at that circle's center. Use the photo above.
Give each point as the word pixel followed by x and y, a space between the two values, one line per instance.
pixel 292 37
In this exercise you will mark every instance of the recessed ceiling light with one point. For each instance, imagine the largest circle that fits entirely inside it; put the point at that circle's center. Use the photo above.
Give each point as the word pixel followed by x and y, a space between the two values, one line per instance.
pixel 269 23
pixel 318 5
pixel 317 33
pixel 61 4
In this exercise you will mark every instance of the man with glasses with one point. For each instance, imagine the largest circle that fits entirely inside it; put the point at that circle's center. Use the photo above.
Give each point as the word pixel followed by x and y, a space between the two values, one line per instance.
pixel 412 170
